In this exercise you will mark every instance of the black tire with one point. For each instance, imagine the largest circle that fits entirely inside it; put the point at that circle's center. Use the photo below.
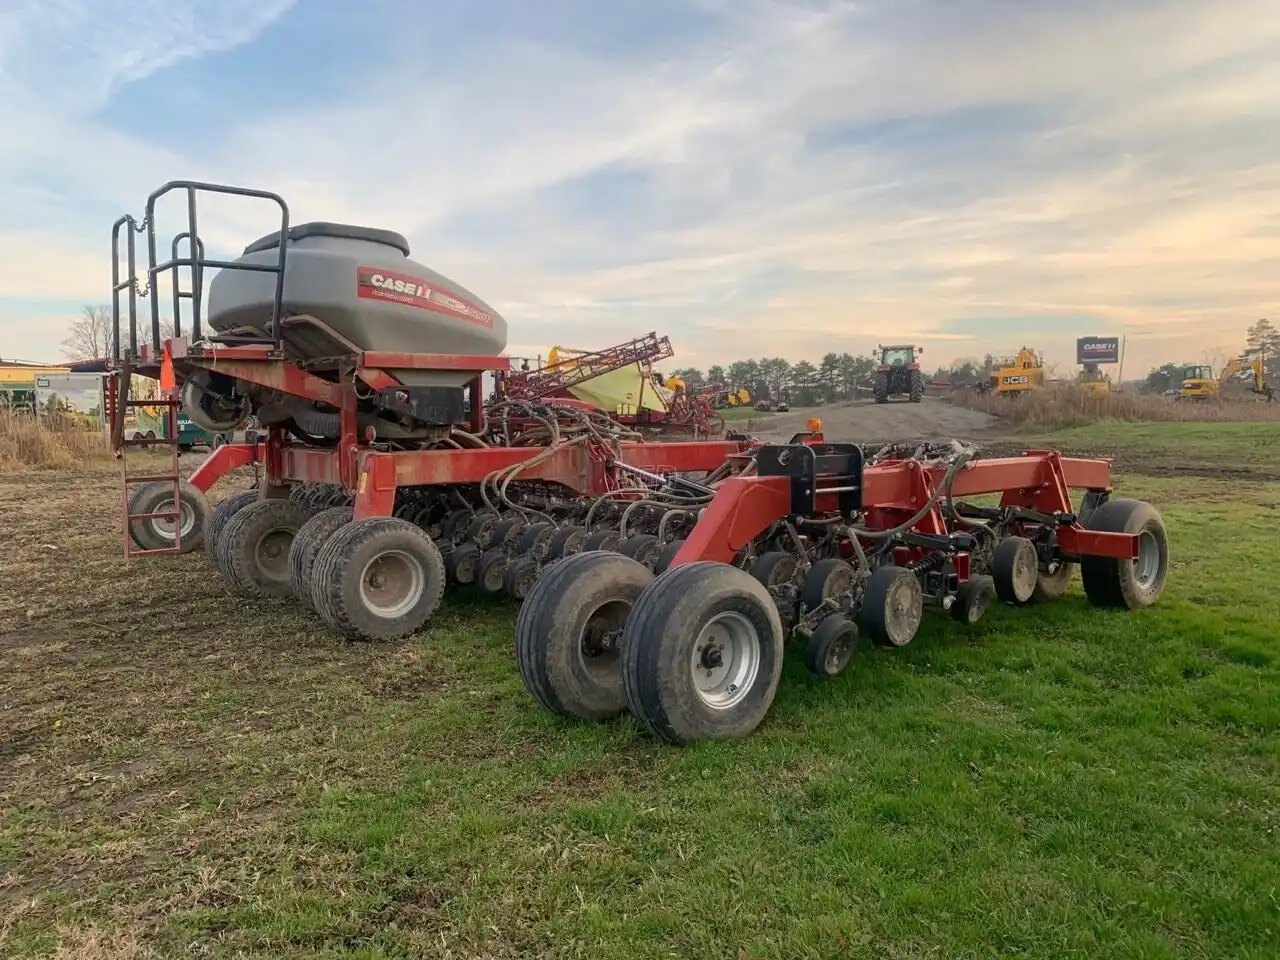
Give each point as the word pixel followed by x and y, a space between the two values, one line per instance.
pixel 533 541
pixel 1052 586
pixel 520 576
pixel 157 534
pixel 1015 570
pixel 774 568
pixel 666 555
pixel 254 551
pixel 880 388
pixel 490 569
pixel 702 608
pixel 227 508
pixel 831 646
pixel 454 525
pixel 827 578
pixel 892 606
pixel 219 440
pixel 565 542
pixel 972 600
pixel 378 579
pixel 641 547
pixel 480 528
pixel 1128 584
pixel 601 540
pixel 917 386
pixel 569 631
pixel 460 564
pixel 306 545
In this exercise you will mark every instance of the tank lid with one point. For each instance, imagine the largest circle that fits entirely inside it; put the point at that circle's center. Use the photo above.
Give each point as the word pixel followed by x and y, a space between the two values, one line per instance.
pixel 341 231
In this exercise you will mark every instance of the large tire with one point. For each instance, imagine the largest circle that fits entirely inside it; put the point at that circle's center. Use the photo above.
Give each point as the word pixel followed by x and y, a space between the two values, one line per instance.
pixel 569 630
pixel 306 544
pixel 702 654
pixel 1129 584
pixel 378 579
pixel 917 386
pixel 157 534
pixel 892 606
pixel 227 508
pixel 880 387
pixel 254 551
pixel 1015 570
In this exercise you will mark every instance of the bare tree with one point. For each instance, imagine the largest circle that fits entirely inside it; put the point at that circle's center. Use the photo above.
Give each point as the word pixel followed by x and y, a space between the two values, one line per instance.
pixel 90 334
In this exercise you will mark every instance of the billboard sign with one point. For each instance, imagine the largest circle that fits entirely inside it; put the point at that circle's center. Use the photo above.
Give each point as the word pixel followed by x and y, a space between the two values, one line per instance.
pixel 1098 350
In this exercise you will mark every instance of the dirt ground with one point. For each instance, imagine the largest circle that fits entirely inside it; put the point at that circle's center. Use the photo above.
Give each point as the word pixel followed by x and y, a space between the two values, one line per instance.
pixel 866 420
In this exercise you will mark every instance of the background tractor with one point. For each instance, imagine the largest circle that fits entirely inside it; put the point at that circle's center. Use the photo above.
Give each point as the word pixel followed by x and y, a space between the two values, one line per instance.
pixel 898 374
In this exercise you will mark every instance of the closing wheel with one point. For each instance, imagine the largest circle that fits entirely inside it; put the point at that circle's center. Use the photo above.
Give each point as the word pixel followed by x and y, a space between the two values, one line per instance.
pixel 377 579
pixel 490 569
pixel 827 579
pixel 520 576
pixel 480 528
pixel 1015 570
pixel 1131 584
pixel 601 540
pixel 1053 581
pixel 666 555
pixel 892 606
pixel 454 525
pixel 306 544
pixel 533 540
pixel 157 533
pixel 702 653
pixel 569 631
pixel 227 508
pixel 643 547
pixel 460 564
pixel 774 568
pixel 831 646
pixel 254 552
pixel 503 533
pixel 565 541
pixel 972 600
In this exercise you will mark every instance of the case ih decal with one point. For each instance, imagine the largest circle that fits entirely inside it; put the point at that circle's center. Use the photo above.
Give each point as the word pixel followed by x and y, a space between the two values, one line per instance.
pixel 374 283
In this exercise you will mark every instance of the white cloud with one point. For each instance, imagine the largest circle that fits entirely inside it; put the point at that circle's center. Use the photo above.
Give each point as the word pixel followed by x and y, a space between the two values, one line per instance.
pixel 1093 160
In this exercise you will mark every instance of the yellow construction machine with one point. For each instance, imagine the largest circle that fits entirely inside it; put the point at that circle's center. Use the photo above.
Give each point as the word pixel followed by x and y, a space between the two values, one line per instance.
pixel 1014 376
pixel 1199 383
pixel 1093 381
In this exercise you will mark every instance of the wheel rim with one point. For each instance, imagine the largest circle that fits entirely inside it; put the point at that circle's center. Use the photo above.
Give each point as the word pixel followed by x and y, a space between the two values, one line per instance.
pixel 725 660
pixel 272 552
pixel 840 652
pixel 1147 567
pixel 391 584
pixel 493 575
pixel 1025 571
pixel 839 581
pixel 598 646
pixel 186 518
pixel 977 605
pixel 902 610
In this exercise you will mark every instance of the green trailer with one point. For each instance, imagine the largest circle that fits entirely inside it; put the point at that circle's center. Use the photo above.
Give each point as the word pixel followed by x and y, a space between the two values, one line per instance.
pixel 155 426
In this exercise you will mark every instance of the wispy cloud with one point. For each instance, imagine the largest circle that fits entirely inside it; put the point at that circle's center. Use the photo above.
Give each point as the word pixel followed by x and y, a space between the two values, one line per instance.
pixel 758 176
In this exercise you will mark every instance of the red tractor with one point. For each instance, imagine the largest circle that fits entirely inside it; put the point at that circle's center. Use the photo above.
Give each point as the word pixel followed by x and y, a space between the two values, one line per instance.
pixel 899 374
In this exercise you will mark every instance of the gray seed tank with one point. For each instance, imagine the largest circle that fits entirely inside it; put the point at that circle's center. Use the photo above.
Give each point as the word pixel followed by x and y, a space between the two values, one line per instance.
pixel 360 283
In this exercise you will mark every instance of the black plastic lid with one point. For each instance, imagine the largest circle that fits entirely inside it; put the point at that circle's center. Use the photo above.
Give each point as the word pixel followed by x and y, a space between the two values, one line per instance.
pixel 343 231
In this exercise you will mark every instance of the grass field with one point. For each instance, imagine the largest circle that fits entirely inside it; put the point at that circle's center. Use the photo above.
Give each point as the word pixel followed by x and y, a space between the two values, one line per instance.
pixel 190 775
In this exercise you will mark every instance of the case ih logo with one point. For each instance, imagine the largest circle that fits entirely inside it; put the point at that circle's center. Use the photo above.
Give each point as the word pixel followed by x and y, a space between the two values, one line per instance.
pixel 1098 350
pixel 373 283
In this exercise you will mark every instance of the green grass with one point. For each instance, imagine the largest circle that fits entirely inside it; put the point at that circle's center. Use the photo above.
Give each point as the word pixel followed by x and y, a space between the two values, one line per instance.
pixel 1057 782
pixel 1256 443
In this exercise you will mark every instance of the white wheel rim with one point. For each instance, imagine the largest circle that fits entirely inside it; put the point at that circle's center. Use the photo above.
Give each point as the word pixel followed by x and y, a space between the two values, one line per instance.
pixel 391 584
pixel 725 660
pixel 164 528
pixel 903 609
pixel 272 552
pixel 1147 567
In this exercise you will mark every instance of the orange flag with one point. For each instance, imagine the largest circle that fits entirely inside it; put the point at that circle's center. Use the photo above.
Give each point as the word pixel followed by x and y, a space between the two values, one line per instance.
pixel 168 382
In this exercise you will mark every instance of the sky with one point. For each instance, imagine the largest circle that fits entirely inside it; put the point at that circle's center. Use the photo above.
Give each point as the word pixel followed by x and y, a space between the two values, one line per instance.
pixel 751 177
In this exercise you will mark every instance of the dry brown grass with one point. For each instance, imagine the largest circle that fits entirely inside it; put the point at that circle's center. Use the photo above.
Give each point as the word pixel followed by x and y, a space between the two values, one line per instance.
pixel 1066 405
pixel 27 442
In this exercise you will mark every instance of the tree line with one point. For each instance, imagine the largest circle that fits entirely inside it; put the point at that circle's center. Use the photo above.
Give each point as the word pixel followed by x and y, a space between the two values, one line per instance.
pixel 1262 342
pixel 834 377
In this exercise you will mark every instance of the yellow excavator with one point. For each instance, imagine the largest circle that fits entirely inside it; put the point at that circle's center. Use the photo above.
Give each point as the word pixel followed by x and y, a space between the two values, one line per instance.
pixel 1014 376
pixel 1199 383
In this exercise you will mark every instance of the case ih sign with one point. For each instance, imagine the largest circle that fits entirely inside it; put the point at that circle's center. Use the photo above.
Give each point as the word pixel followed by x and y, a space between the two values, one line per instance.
pixel 1098 350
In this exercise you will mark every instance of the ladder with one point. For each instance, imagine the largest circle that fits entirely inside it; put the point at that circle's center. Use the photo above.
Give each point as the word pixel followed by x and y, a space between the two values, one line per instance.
pixel 118 403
